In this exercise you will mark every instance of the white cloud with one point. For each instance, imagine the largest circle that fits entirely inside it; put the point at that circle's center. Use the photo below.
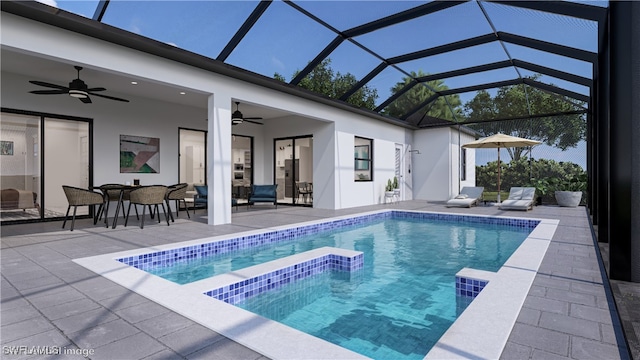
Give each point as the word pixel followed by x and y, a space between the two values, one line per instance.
pixel 135 29
pixel 279 64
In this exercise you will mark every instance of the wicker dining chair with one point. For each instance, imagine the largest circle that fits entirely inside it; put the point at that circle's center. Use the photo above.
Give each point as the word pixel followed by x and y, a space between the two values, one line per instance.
pixel 177 192
pixel 152 195
pixel 81 197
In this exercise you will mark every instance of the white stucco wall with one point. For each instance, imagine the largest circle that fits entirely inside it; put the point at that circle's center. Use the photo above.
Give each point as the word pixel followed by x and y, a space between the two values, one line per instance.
pixel 333 129
pixel 431 175
pixel 436 169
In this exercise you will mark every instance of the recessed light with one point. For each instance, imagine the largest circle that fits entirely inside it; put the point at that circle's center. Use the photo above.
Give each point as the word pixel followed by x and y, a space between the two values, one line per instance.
pixel 134 83
pixel 182 92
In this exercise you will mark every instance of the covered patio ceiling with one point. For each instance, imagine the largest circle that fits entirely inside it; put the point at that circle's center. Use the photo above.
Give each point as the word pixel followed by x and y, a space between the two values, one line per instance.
pixel 410 58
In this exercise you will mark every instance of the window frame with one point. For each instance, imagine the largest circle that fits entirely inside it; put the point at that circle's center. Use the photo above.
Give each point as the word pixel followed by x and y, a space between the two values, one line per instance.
pixel 363 159
pixel 463 164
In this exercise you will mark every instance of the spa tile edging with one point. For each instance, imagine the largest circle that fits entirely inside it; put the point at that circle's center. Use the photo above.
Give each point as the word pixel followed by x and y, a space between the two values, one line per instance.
pixel 240 291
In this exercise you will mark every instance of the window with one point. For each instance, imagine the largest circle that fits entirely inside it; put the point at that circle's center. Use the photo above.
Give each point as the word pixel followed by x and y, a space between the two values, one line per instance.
pixel 362 156
pixel 463 165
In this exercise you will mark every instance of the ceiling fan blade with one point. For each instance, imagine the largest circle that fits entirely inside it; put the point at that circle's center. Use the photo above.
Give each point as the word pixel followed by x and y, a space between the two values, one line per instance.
pixel 45 84
pixel 109 97
pixel 48 92
pixel 253 122
pixel 253 118
pixel 77 88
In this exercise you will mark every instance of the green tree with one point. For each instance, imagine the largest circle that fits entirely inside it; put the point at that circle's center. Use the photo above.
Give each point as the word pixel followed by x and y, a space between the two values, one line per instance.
pixel 418 94
pixel 323 80
pixel 562 132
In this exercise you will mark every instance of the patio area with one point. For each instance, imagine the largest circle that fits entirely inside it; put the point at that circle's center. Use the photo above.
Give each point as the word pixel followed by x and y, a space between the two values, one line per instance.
pixel 48 300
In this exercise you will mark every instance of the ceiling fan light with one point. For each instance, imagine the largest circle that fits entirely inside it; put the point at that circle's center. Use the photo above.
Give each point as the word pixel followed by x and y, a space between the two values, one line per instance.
pixel 78 94
pixel 236 118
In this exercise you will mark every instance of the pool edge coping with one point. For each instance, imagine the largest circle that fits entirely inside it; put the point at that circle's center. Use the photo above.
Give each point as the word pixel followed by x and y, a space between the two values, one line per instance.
pixel 241 327
pixel 482 330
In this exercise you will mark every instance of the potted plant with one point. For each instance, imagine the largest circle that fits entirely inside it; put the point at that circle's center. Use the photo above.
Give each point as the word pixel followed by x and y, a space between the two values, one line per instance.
pixel 396 187
pixel 570 190
pixel 388 190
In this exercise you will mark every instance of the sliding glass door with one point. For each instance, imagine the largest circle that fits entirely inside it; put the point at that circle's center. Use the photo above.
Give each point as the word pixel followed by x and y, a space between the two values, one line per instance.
pixel 294 170
pixel 38 154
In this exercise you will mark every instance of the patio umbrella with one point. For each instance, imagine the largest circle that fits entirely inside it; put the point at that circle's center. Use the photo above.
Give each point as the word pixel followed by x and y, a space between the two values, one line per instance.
pixel 498 141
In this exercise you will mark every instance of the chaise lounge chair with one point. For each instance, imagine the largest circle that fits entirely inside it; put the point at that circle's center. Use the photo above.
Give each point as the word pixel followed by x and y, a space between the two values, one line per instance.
pixel 520 198
pixel 469 196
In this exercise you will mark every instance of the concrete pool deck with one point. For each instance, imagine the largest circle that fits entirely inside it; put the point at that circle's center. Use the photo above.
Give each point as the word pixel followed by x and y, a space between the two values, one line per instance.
pixel 48 300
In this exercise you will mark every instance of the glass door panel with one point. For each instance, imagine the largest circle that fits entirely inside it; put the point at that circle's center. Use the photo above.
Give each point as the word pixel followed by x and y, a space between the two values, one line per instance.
pixel 242 178
pixel 284 170
pixel 66 162
pixel 294 170
pixel 304 182
pixel 193 161
pixel 20 167
pixel 192 157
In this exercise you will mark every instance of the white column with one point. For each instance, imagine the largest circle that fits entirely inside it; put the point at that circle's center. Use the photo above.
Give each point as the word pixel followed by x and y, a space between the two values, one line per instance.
pixel 219 159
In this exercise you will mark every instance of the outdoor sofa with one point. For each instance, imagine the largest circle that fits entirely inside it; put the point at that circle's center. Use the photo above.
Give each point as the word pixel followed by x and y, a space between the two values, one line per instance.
pixel 201 198
pixel 263 193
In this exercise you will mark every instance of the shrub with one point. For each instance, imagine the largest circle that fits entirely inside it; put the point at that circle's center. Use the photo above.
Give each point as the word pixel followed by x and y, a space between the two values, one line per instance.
pixel 545 175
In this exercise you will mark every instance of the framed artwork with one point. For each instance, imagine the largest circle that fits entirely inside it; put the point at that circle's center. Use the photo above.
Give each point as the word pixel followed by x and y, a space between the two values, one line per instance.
pixel 6 147
pixel 362 152
pixel 139 154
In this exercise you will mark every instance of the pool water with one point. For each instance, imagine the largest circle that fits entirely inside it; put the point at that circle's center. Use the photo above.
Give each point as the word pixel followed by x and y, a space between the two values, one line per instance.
pixel 397 306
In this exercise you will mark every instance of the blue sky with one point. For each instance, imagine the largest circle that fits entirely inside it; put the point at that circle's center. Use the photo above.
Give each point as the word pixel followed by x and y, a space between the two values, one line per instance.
pixel 283 40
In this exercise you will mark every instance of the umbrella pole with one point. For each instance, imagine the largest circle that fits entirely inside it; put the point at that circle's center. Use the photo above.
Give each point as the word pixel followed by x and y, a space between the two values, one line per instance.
pixel 498 175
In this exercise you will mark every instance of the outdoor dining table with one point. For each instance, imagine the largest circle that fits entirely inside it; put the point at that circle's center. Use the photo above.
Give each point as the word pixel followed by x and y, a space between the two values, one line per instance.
pixel 122 188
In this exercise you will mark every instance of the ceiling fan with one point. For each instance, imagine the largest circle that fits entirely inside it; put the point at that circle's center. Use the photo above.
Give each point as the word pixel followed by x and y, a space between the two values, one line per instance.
pixel 77 89
pixel 237 117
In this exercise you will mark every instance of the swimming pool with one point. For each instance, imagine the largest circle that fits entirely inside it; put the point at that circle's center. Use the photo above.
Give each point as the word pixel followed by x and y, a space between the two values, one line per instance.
pixel 404 298
pixel 325 280
pixel 397 306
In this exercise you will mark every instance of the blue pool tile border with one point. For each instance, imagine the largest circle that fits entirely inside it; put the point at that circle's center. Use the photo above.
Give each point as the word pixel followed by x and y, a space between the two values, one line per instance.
pixel 240 291
pixel 468 287
pixel 170 257
pixel 519 223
